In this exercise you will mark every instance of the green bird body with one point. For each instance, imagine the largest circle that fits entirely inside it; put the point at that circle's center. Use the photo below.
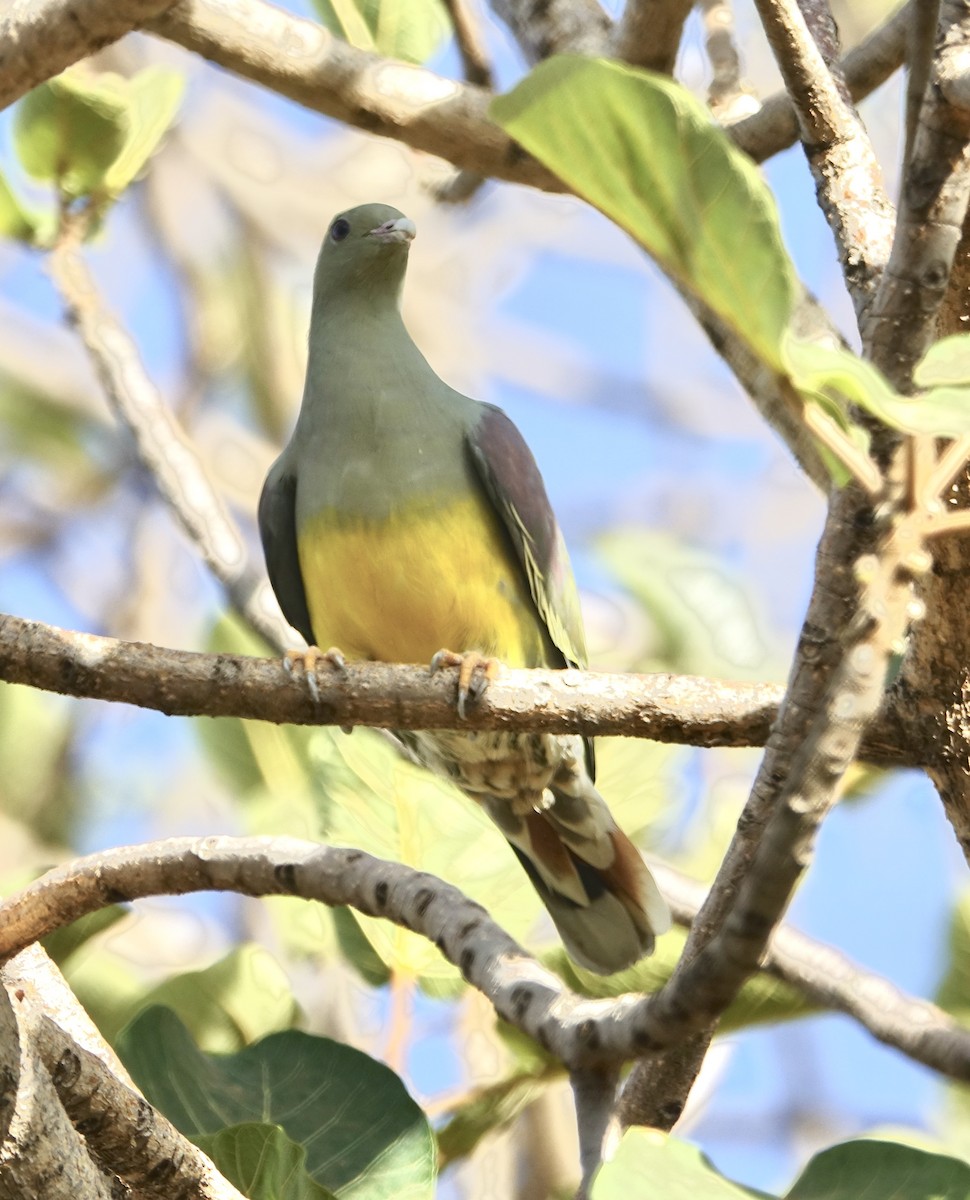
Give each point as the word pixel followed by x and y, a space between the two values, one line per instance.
pixel 404 517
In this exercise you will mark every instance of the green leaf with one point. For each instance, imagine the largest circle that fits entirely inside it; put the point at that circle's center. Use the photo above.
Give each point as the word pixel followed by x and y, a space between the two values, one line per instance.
pixel 946 363
pixel 15 220
pixel 69 131
pixel 953 993
pixel 650 1163
pixel 243 996
pixel 152 98
pixel 826 374
pixel 262 1162
pixel 763 1000
pixel 411 30
pixel 646 153
pixel 364 1136
pixel 881 1170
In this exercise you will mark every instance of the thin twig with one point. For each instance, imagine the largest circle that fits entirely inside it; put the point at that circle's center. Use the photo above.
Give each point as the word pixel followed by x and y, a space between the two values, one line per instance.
pixel 729 96
pixel 555 27
pixel 667 708
pixel 594 1093
pixel 162 446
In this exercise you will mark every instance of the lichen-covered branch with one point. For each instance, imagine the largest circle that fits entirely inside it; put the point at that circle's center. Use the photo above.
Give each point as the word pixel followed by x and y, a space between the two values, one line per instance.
pixel 648 33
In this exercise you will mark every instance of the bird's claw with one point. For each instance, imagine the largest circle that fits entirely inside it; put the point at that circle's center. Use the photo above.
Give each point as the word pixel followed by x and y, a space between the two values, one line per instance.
pixel 471 687
pixel 306 662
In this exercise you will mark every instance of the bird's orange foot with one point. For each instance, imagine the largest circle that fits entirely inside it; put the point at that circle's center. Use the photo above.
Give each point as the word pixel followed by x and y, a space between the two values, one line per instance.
pixel 470 686
pixel 306 663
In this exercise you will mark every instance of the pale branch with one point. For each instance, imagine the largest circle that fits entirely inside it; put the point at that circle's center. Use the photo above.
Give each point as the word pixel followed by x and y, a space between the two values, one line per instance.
pixel 826 977
pixel 848 179
pixel 122 1131
pixel 681 709
pixel 555 26
pixel 729 97
pixel 866 67
pixel 41 1153
pixel 649 32
pixel 902 322
pixel 303 61
pixel 162 446
pixel 594 1094
pixel 40 38
pixel 580 1032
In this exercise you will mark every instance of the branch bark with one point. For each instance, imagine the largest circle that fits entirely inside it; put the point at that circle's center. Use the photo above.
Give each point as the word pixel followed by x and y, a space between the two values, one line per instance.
pixel 667 708
pixel 40 38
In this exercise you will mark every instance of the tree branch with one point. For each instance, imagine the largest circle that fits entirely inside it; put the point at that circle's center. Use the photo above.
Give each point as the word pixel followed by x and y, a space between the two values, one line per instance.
pixel 40 38
pixel 649 32
pixel 582 1033
pixel 555 26
pixel 667 708
pixel 305 62
pixel 162 446
pixel 847 176
pixel 774 127
pixel 122 1131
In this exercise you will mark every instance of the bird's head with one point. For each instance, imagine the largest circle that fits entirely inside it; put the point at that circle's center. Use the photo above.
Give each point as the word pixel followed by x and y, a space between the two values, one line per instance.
pixel 365 247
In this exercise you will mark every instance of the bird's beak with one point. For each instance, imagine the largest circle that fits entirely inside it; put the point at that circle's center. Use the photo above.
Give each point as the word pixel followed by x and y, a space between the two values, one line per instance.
pixel 401 230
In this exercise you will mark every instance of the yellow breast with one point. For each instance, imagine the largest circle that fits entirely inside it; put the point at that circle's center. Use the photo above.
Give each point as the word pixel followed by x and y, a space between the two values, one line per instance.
pixel 425 578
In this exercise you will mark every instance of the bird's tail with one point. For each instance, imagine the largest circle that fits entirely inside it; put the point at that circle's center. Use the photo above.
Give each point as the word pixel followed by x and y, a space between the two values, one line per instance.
pixel 602 899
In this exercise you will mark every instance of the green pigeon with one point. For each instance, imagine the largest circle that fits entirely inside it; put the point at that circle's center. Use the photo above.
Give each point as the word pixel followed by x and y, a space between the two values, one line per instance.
pixel 404 517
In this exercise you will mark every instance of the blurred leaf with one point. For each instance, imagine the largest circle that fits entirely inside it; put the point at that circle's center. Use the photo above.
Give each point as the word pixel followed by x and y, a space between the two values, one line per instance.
pixel 16 221
pixel 946 363
pixel 646 153
pixel 650 1163
pixel 827 373
pixel 152 99
pixel 240 998
pixel 36 788
pixel 64 942
pixel 107 986
pixel 706 621
pixel 262 1162
pixel 953 993
pixel 411 30
pixel 69 131
pixel 763 1000
pixel 492 1108
pixel 363 1134
pixel 881 1170
pixel 90 134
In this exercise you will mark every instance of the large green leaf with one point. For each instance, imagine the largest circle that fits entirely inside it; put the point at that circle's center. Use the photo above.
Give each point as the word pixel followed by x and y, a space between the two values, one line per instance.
pixel 945 364
pixel 881 1170
pixel 240 998
pixel 650 1163
pixel 262 1162
pixel 365 1138
pixel 69 132
pixel 407 29
pixel 647 154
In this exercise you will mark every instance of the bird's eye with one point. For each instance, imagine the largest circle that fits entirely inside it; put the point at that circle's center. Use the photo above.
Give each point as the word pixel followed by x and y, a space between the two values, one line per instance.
pixel 339 230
